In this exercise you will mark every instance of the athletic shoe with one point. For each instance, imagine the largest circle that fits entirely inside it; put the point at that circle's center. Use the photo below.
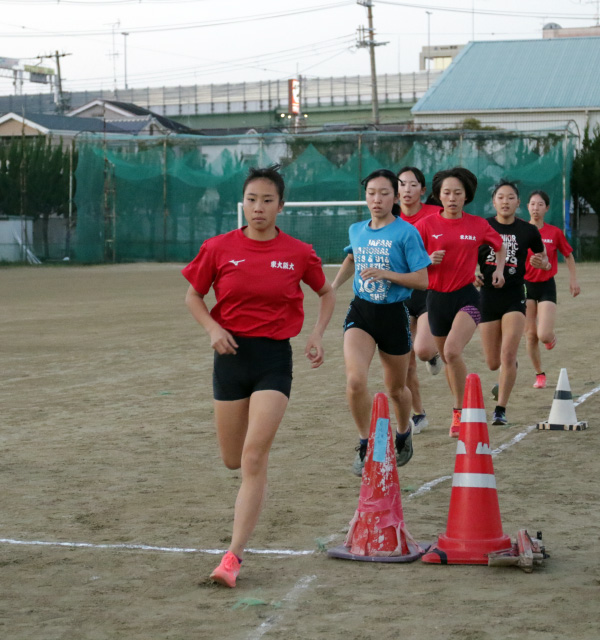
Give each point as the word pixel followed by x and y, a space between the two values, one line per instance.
pixel 404 451
pixel 227 572
pixel 499 417
pixel 551 345
pixel 419 422
pixel 434 366
pixel 455 427
pixel 540 381
pixel 359 461
pixel 495 390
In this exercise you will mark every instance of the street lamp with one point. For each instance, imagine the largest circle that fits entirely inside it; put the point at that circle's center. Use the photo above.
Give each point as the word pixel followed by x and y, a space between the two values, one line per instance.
pixel 125 34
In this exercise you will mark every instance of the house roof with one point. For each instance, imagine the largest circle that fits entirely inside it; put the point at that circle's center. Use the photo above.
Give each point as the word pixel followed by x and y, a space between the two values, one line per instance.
pixel 47 123
pixel 128 109
pixel 557 73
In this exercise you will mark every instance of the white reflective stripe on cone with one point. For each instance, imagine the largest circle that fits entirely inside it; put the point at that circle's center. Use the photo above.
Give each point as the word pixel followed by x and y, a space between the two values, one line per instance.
pixel 474 480
pixel 473 415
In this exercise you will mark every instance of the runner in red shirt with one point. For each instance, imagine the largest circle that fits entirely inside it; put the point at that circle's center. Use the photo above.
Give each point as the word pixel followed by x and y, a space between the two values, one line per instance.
pixel 541 286
pixel 452 238
pixel 255 273
pixel 411 188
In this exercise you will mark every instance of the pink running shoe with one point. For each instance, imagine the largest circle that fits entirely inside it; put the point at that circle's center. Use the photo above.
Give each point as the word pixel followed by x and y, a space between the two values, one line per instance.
pixel 551 345
pixel 227 572
pixel 540 381
pixel 455 427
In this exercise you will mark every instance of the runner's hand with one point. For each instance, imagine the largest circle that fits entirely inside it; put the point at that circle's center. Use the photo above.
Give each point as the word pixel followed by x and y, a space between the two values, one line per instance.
pixel 498 279
pixel 222 341
pixel 373 274
pixel 314 351
pixel 574 288
pixel 436 257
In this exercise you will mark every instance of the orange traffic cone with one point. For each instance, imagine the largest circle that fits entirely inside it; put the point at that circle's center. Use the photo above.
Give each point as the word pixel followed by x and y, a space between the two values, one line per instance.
pixel 474 526
pixel 377 530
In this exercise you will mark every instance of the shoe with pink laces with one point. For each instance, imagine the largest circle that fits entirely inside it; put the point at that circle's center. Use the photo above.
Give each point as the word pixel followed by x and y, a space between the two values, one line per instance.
pixel 227 572
pixel 540 381
pixel 455 427
pixel 551 345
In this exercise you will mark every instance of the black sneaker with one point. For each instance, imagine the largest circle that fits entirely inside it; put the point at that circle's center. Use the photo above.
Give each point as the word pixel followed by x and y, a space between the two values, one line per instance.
pixel 359 461
pixel 499 417
pixel 404 450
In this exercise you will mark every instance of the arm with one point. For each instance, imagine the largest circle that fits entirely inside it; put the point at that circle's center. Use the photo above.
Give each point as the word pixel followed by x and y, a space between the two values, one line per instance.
pixel 314 345
pixel 498 275
pixel 413 280
pixel 220 339
pixel 345 272
pixel 540 261
pixel 573 285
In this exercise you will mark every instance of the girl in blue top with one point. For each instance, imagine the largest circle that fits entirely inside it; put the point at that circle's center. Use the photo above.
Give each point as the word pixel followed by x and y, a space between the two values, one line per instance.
pixel 388 260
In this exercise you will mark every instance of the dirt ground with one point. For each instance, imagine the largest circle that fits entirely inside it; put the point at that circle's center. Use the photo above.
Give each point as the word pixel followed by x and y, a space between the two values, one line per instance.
pixel 107 441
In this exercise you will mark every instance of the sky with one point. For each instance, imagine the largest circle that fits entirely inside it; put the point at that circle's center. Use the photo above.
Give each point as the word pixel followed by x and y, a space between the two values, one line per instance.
pixel 186 42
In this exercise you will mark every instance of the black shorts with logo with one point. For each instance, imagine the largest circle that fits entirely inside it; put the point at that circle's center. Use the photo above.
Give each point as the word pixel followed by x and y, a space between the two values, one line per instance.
pixel 260 364
pixel 443 306
pixel 541 291
pixel 417 303
pixel 496 302
pixel 387 324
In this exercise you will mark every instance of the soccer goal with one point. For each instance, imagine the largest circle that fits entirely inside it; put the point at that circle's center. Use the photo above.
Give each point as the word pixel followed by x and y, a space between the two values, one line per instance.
pixel 322 224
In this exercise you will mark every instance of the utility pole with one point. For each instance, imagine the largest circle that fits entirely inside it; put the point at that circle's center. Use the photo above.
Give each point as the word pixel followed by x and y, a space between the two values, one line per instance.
pixel 125 34
pixel 59 99
pixel 363 42
pixel 62 105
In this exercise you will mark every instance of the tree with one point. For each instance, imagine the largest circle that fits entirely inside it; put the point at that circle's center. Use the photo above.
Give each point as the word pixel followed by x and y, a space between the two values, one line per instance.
pixel 34 180
pixel 585 176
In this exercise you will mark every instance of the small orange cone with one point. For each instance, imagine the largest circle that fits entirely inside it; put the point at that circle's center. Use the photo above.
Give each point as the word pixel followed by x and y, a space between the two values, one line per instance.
pixel 474 526
pixel 377 531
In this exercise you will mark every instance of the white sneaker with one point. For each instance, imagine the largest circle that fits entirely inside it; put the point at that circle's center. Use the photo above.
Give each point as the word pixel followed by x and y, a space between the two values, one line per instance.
pixel 419 422
pixel 434 366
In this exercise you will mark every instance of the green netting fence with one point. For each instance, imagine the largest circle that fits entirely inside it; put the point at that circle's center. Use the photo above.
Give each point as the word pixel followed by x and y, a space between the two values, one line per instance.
pixel 158 199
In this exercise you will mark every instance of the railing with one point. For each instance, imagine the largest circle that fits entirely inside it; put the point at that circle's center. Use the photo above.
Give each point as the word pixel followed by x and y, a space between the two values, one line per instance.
pixel 241 97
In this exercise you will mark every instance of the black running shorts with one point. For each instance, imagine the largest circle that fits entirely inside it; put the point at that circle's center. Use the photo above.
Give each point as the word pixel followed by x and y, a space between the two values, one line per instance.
pixel 496 302
pixel 541 291
pixel 387 324
pixel 442 308
pixel 417 303
pixel 260 364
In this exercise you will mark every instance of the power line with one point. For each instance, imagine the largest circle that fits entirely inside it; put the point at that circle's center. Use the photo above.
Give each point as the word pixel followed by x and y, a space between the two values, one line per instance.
pixel 492 12
pixel 179 27
pixel 99 2
pixel 336 46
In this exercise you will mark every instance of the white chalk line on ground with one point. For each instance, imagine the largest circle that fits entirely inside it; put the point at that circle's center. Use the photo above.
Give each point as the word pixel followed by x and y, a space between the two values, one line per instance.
pixel 272 552
pixel 289 598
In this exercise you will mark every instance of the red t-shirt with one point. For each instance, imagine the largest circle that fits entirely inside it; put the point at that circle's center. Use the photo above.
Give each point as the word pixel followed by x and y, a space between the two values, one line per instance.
pixel 461 238
pixel 423 212
pixel 256 284
pixel 554 240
